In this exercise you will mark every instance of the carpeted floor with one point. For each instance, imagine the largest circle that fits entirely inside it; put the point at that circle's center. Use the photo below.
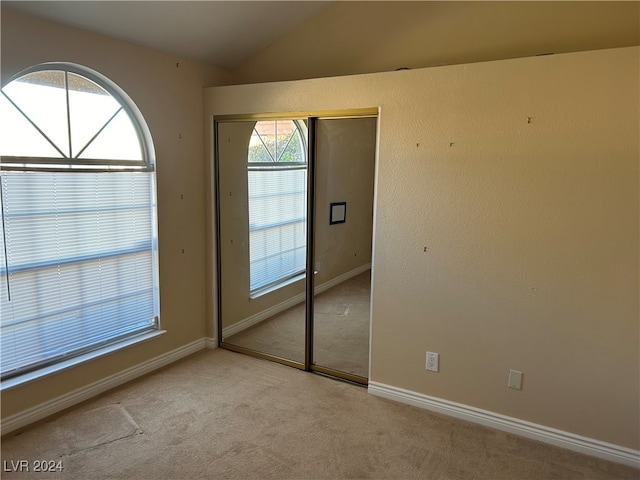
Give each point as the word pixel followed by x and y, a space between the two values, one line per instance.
pixel 341 335
pixel 223 415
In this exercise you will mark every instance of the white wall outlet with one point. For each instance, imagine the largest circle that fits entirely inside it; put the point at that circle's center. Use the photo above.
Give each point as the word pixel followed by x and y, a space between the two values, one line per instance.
pixel 433 361
pixel 515 379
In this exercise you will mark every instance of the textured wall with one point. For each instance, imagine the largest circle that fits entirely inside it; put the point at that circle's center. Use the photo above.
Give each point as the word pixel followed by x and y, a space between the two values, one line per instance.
pixel 520 177
pixel 168 92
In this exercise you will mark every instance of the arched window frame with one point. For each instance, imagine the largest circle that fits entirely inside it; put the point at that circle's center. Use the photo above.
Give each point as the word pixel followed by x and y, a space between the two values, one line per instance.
pixel 142 130
pixel 102 166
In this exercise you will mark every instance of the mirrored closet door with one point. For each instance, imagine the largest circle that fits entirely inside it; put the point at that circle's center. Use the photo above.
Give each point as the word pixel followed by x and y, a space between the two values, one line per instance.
pixel 294 217
pixel 344 181
pixel 262 194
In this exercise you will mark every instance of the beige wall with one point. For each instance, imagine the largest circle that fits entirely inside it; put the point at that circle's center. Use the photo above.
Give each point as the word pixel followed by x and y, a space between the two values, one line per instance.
pixel 348 38
pixel 170 98
pixel 520 177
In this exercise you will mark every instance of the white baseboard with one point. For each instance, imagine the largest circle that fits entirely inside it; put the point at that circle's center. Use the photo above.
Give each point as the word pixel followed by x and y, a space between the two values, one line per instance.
pixel 263 315
pixel 341 278
pixel 67 400
pixel 577 443
pixel 281 307
pixel 211 343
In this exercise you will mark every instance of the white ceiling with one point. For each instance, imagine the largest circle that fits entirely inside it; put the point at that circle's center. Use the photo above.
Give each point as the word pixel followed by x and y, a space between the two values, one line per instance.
pixel 264 40
pixel 220 33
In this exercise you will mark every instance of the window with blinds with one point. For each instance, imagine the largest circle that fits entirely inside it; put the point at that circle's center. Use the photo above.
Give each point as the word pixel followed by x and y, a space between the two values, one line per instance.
pixel 277 190
pixel 78 234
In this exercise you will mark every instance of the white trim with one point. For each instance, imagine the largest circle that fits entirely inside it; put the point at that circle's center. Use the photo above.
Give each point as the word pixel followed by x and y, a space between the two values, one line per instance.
pixel 259 292
pixel 559 438
pixel 211 343
pixel 281 307
pixel 259 317
pixel 33 414
pixel 341 278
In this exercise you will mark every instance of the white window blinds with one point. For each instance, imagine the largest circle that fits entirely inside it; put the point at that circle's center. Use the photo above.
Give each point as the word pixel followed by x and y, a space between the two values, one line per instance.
pixel 277 190
pixel 79 253
pixel 78 233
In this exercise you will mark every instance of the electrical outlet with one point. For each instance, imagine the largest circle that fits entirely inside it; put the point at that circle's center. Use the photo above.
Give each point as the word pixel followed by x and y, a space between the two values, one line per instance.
pixel 515 379
pixel 433 361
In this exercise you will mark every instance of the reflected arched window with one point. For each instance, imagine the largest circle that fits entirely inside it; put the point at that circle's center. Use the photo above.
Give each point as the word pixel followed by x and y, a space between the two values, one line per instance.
pixel 78 240
pixel 277 187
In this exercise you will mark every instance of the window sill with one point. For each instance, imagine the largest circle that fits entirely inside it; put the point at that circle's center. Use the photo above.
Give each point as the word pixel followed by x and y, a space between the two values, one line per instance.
pixel 263 291
pixel 72 362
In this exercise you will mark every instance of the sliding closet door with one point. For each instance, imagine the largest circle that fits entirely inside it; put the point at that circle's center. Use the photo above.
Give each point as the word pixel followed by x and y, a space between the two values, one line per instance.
pixel 344 190
pixel 262 180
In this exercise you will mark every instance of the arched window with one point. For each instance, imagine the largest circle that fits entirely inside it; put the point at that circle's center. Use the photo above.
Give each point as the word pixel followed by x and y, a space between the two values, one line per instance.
pixel 78 242
pixel 277 187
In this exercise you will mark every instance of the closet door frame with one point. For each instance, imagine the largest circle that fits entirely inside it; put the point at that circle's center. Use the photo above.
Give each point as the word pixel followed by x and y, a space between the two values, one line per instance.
pixel 312 118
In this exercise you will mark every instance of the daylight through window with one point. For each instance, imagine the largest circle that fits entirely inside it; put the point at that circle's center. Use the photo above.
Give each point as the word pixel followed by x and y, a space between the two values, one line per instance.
pixel 78 234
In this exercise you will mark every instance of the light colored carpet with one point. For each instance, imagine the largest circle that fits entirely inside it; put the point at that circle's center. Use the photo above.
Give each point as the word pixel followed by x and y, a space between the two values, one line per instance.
pixel 87 430
pixel 341 335
pixel 224 415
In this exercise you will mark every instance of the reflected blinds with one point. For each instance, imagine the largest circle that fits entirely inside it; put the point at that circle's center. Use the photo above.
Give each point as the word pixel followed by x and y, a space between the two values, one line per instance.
pixel 277 190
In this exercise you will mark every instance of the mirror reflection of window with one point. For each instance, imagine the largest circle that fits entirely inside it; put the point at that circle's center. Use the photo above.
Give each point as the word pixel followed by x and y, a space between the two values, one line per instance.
pixel 277 192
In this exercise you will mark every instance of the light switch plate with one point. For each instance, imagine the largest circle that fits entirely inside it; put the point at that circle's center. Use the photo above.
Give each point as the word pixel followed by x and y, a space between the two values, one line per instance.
pixel 433 361
pixel 515 379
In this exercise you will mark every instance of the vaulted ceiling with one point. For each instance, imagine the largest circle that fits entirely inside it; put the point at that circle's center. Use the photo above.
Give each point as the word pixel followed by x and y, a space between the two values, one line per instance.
pixel 220 33
pixel 286 40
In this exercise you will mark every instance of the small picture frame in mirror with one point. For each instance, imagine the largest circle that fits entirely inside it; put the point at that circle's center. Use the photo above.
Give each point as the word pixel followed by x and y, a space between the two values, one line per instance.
pixel 337 213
